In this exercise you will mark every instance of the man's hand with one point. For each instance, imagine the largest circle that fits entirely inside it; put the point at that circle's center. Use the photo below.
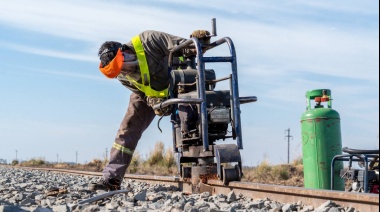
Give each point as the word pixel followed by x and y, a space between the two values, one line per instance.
pixel 162 111
pixel 202 35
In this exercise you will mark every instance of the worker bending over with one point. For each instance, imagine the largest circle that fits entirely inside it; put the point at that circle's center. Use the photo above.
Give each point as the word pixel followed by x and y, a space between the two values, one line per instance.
pixel 142 66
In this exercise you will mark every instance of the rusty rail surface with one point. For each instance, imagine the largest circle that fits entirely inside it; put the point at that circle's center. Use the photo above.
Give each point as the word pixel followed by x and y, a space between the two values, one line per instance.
pixel 285 194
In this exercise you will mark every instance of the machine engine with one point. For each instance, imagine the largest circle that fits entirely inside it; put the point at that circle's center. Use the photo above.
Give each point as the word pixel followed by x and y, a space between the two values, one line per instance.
pixel 356 176
pixel 365 178
pixel 202 115
pixel 218 107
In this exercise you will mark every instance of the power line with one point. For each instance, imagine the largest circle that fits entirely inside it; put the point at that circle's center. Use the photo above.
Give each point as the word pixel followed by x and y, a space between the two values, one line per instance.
pixel 288 136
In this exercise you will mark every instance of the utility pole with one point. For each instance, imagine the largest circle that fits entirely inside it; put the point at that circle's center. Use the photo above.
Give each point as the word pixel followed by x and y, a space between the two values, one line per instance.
pixel 57 158
pixel 76 157
pixel 16 154
pixel 288 136
pixel 106 153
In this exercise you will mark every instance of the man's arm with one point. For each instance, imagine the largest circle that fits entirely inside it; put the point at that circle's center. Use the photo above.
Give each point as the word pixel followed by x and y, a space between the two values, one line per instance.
pixel 160 42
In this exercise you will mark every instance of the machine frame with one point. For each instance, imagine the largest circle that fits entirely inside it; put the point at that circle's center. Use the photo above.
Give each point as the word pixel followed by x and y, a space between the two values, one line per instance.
pixel 203 151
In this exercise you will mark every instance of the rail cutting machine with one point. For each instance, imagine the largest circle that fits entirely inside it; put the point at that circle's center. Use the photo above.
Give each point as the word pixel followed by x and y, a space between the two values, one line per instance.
pixel 203 117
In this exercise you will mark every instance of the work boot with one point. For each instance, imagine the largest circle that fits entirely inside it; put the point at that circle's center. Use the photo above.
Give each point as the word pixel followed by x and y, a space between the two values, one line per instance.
pixel 106 185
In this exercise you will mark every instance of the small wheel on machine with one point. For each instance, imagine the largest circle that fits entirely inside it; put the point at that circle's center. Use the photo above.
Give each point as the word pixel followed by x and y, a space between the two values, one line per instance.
pixel 221 173
pixel 186 172
pixel 238 172
pixel 229 174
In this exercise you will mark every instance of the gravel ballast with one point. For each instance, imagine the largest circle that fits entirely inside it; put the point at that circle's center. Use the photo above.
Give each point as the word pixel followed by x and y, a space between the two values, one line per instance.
pixel 43 191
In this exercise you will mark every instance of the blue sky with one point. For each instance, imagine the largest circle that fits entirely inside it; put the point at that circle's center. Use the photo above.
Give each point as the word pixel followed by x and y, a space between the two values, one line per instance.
pixel 54 100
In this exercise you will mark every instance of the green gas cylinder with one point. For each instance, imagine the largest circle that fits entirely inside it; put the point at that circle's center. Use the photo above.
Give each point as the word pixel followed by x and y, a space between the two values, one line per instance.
pixel 321 141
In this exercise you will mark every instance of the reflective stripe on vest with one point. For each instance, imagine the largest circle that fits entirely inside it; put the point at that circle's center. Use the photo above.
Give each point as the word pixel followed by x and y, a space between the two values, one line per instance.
pixel 122 149
pixel 144 69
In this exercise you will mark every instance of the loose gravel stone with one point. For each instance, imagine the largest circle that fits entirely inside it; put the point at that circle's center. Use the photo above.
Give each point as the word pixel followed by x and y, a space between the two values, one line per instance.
pixel 45 191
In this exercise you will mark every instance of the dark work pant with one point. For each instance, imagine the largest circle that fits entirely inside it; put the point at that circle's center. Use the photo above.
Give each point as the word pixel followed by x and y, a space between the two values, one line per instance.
pixel 138 117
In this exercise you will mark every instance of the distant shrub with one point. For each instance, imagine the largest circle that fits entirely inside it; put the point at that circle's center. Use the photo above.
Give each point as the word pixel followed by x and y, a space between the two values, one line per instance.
pixel 263 170
pixel 62 166
pixel 156 157
pixel 135 163
pixel 96 164
pixel 297 161
pixel 33 162
pixel 14 162
pixel 169 159
pixel 280 172
pixel 160 161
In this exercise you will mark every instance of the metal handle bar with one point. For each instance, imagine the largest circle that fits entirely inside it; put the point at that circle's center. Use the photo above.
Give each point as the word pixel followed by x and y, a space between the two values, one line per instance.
pixel 242 100
pixel 248 99
pixel 176 101
pixel 359 151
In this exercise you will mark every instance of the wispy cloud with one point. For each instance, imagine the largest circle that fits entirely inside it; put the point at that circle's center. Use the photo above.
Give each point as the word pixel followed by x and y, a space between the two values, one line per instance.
pixel 311 49
pixel 293 43
pixel 49 52
pixel 74 75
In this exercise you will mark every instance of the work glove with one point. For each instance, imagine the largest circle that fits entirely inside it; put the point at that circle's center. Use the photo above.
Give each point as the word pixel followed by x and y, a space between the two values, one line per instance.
pixel 161 111
pixel 202 35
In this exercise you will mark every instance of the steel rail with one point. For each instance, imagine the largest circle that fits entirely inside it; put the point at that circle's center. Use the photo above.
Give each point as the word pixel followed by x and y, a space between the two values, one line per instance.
pixel 315 197
pixel 285 194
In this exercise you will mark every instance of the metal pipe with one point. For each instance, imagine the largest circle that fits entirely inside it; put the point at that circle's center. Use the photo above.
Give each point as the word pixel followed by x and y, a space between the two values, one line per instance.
pixel 332 178
pixel 235 94
pixel 202 93
pixel 176 101
pixel 213 24
pixel 174 137
pixel 359 151
pixel 173 117
pixel 247 99
pixel 365 173
pixel 233 110
pixel 217 80
pixel 218 59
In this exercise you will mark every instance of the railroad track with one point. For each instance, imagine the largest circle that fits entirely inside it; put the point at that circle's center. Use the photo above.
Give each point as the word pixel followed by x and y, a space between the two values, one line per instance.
pixel 314 197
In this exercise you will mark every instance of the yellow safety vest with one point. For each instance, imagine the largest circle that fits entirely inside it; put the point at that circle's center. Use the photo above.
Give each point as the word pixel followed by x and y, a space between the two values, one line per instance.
pixel 144 69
